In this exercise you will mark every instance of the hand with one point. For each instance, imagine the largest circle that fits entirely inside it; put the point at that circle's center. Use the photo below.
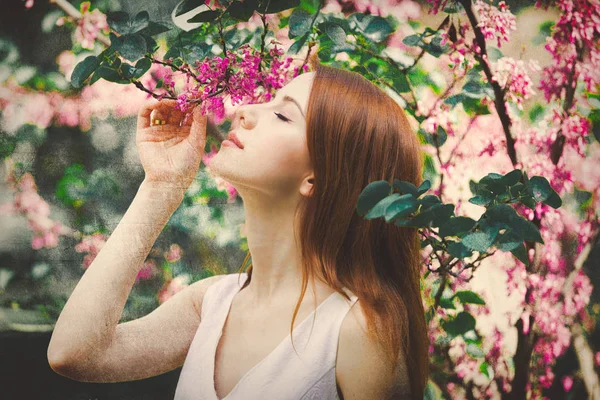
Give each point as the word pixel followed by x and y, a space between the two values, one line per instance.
pixel 170 153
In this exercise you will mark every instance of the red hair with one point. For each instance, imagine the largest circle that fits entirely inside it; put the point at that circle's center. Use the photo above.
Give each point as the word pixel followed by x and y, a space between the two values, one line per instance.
pixel 357 134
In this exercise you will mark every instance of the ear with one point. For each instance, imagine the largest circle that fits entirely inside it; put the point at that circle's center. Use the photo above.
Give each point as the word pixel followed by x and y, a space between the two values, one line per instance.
pixel 307 186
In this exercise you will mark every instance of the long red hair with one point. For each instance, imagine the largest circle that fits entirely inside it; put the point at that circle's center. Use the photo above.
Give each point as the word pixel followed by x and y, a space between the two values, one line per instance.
pixel 357 134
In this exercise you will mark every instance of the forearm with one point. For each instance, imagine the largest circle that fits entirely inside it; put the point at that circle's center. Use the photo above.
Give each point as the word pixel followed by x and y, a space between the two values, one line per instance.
pixel 88 321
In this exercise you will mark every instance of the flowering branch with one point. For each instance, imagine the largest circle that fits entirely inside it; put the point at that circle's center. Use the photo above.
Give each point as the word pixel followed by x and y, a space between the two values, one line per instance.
pixel 499 94
pixel 570 86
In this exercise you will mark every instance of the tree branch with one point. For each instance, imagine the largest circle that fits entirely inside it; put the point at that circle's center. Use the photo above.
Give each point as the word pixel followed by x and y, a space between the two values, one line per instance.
pixel 499 99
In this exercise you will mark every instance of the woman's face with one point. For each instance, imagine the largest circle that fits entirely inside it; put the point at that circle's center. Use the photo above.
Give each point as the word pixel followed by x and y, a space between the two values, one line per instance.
pixel 275 157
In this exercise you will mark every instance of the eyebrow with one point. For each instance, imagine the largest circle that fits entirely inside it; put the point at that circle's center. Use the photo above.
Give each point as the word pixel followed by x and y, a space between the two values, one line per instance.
pixel 288 98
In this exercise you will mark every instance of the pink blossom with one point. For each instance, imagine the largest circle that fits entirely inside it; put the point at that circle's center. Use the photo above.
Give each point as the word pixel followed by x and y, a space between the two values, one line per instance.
pixel 172 287
pixel 174 253
pixel 495 23
pixel 90 26
pixel 90 244
pixel 567 382
pixel 148 271
pixel 512 76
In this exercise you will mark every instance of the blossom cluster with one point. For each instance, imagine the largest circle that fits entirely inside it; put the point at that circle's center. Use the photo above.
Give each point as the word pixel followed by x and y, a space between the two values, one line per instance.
pixel 575 48
pixel 241 73
pixel 91 25
pixel 459 54
pixel 512 75
pixel 495 22
pixel 28 203
pixel 402 10
pixel 26 106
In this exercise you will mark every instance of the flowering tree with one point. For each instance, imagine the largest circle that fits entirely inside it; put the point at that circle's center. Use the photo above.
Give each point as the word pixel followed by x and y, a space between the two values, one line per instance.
pixel 471 107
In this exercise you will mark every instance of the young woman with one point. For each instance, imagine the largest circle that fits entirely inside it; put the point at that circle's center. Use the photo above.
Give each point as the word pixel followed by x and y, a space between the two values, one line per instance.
pixel 300 163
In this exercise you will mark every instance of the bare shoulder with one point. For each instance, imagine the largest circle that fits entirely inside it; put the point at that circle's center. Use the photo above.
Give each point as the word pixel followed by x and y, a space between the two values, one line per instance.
pixel 361 369
pixel 200 287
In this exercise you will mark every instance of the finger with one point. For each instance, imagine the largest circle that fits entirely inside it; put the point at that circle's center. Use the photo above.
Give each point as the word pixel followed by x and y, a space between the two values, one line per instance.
pixel 197 135
pixel 170 111
pixel 158 133
pixel 157 116
pixel 144 113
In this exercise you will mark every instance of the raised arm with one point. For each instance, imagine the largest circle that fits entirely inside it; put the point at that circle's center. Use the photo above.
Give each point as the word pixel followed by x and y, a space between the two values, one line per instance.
pixel 87 343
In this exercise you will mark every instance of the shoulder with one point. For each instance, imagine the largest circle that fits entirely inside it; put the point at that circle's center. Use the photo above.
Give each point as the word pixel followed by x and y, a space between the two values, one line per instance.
pixel 361 369
pixel 200 287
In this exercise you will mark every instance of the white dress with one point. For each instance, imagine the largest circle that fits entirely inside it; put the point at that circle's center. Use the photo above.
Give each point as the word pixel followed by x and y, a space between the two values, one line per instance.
pixel 281 375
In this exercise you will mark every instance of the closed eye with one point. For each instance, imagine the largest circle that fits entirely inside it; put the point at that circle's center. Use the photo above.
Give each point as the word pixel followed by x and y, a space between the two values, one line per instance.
pixel 281 117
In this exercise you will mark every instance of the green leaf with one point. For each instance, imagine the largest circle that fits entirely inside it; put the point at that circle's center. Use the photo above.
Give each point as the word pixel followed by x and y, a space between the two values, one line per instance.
pixel 142 66
pixel 133 47
pixel 505 215
pixel 378 29
pixel 435 47
pixel 371 195
pixel 299 23
pixel 129 71
pixel 429 201
pixel 119 22
pixel 110 72
pixel 473 106
pixel 540 187
pixel 594 117
pixel 484 198
pixel 400 83
pixel 425 186
pixel 412 40
pixel 438 138
pixel 406 187
pixel 467 296
pixel 513 177
pixel 8 144
pixel 298 44
pixel 456 226
pixel 517 190
pixel 83 70
pixel 276 6
pixel 553 200
pixel 139 22
pixel 521 253
pixel 529 202
pixel 447 303
pixel 336 33
pixel 479 241
pixel 379 209
pixel 189 5
pixel 475 351
pixel 154 29
pixel 403 206
pixel 243 11
pixel 205 16
pixel 459 250
pixel 433 216
pixel 508 241
pixel 463 323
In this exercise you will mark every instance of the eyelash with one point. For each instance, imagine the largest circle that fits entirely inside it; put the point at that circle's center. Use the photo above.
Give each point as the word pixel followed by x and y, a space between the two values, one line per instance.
pixel 281 117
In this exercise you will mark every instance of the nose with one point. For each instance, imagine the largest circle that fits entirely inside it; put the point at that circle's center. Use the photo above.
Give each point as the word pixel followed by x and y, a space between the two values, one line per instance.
pixel 242 116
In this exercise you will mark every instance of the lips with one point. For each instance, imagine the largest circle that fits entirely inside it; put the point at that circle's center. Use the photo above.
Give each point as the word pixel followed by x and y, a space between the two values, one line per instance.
pixel 233 137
